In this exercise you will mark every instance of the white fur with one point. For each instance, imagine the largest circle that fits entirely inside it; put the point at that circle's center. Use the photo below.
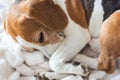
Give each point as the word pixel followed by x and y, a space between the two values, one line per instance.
pixel 95 44
pixel 76 38
pixel 96 19
pixel 91 62
pixel 95 25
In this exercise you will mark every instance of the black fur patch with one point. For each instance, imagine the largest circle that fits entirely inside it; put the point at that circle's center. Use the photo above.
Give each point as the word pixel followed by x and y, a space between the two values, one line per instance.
pixel 88 6
pixel 110 6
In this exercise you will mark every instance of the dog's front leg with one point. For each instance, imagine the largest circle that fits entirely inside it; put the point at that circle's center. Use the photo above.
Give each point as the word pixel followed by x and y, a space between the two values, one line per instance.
pixel 91 62
pixel 76 39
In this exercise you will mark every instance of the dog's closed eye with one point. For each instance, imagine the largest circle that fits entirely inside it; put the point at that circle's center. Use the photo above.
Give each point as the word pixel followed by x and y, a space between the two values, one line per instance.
pixel 41 39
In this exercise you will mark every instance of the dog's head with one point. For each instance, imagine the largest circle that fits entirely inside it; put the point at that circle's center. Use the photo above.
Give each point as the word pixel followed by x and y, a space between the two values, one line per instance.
pixel 36 21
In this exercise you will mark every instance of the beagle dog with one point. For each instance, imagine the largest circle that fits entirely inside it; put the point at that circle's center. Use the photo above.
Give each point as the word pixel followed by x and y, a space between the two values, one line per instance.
pixel 73 23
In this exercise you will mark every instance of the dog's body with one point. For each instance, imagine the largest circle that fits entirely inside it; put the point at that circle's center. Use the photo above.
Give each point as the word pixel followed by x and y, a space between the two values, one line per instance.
pixel 110 43
pixel 36 23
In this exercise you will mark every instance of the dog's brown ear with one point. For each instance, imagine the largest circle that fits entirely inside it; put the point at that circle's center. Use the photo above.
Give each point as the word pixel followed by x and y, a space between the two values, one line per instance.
pixel 51 16
pixel 51 1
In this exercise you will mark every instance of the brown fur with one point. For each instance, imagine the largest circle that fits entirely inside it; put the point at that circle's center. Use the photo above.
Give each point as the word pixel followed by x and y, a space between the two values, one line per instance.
pixel 110 43
pixel 77 12
pixel 31 17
